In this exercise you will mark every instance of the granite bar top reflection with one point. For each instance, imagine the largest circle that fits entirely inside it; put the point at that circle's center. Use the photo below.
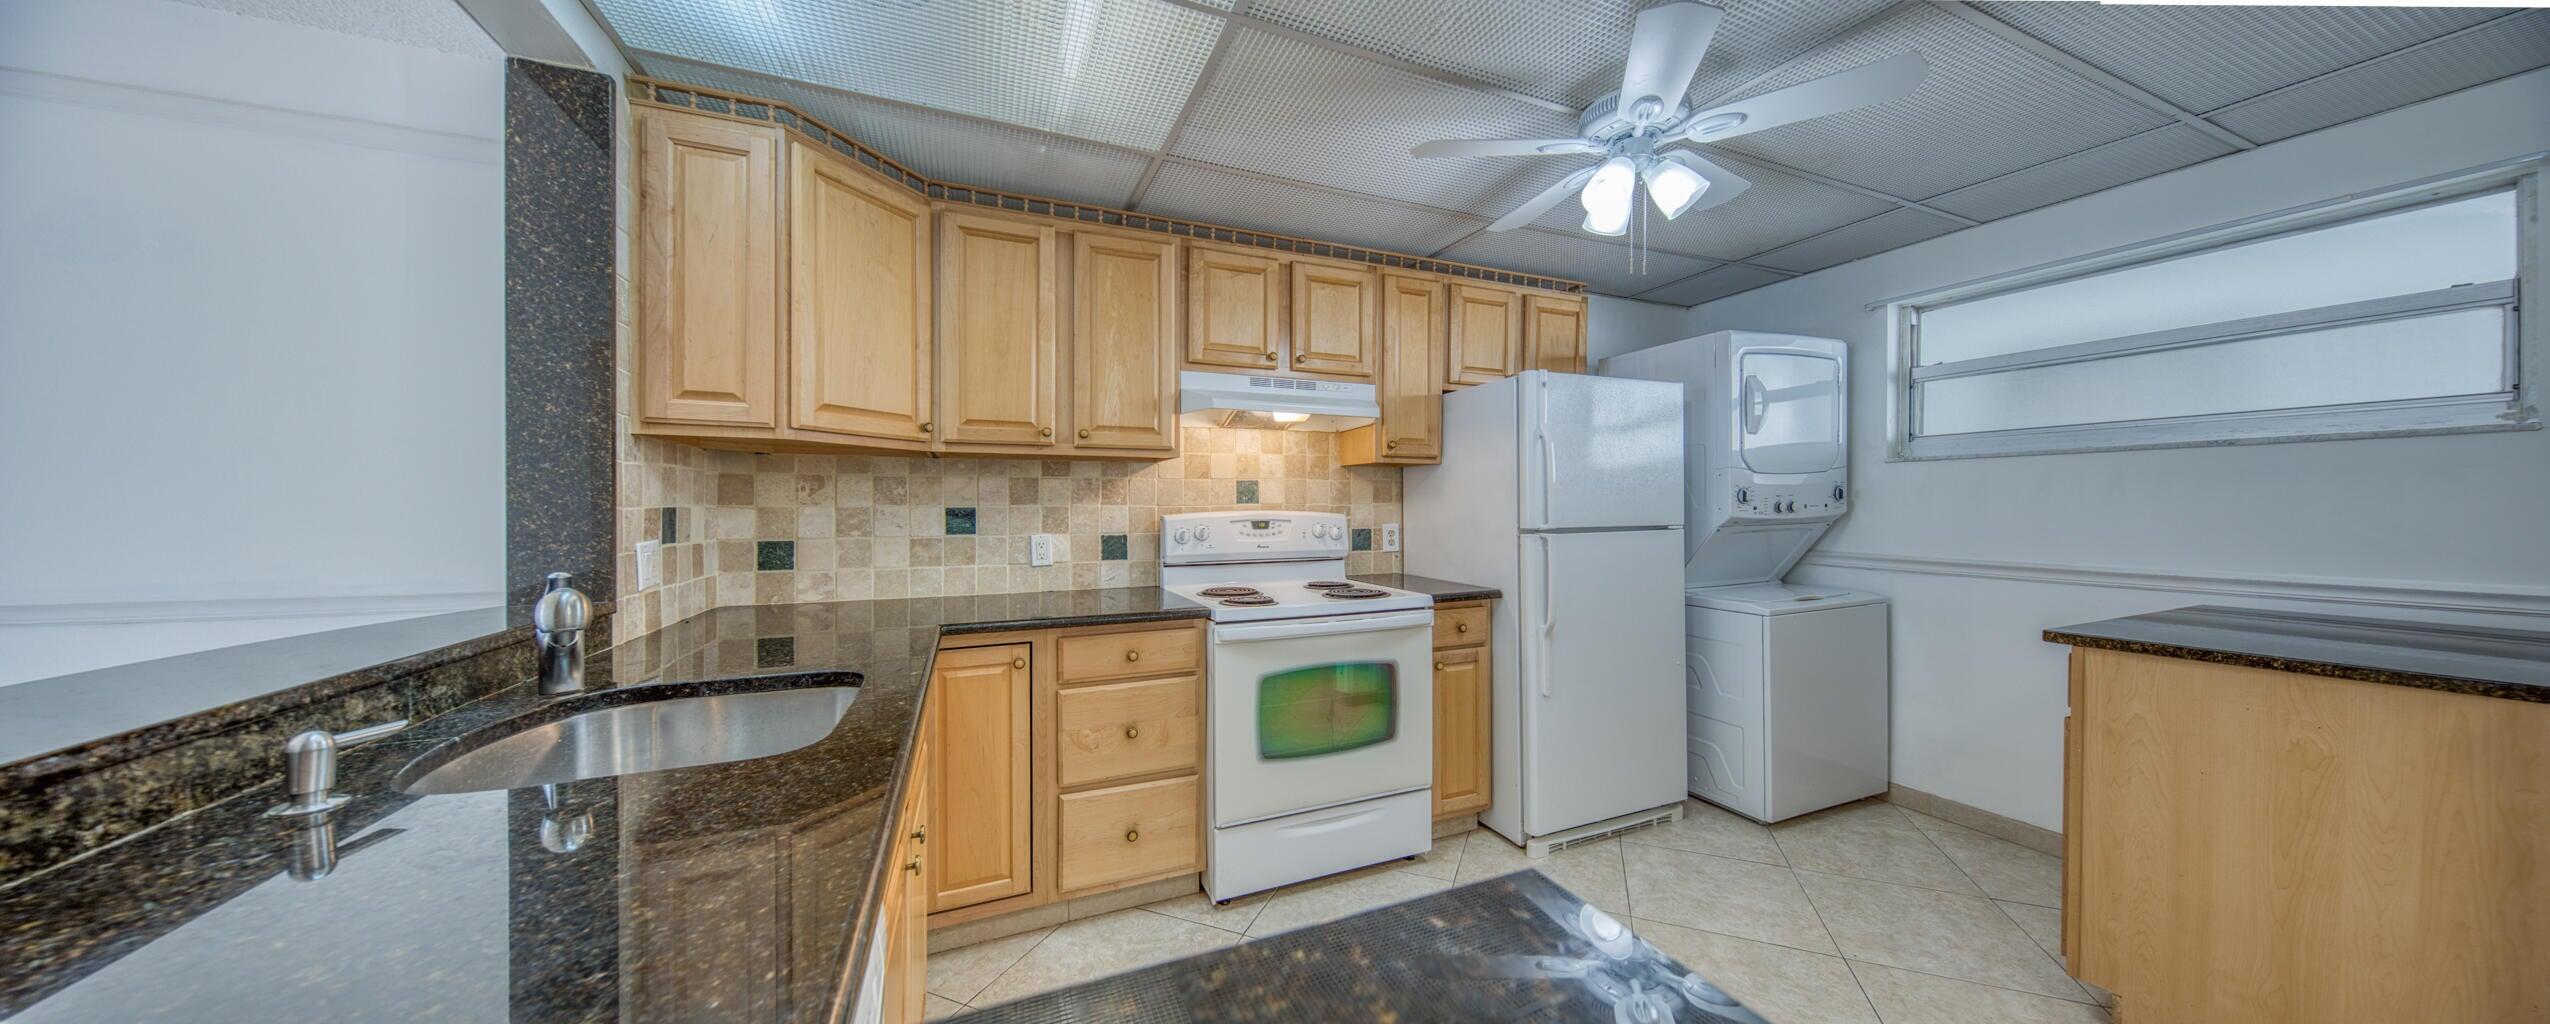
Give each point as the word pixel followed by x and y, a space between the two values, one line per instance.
pixel 1516 948
pixel 738 891
pixel 1443 591
pixel 2507 663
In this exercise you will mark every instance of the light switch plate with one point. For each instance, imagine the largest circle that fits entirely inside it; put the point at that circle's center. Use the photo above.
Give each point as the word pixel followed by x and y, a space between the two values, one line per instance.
pixel 650 564
pixel 1389 536
pixel 1040 548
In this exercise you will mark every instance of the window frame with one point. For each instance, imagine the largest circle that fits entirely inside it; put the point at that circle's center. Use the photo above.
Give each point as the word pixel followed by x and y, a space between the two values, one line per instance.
pixel 2512 409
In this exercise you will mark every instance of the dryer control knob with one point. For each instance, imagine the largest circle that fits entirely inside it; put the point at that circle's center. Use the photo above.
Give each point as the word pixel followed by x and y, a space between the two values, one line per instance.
pixel 1837 492
pixel 1743 496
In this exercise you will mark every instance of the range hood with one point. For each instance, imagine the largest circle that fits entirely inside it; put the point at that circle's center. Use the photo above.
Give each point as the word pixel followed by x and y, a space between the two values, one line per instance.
pixel 1273 403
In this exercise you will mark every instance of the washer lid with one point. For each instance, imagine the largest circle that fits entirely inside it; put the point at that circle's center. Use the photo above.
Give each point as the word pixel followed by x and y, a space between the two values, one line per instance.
pixel 1776 598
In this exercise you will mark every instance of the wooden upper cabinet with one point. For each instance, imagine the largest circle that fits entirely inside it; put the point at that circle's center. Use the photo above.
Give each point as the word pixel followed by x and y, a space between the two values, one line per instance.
pixel 1411 425
pixel 859 300
pixel 1124 388
pixel 708 269
pixel 1486 337
pixel 1235 309
pixel 1554 333
pixel 979 798
pixel 996 337
pixel 1335 313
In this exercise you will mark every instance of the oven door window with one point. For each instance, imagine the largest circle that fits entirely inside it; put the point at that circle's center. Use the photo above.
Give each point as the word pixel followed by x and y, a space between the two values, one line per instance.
pixel 1325 709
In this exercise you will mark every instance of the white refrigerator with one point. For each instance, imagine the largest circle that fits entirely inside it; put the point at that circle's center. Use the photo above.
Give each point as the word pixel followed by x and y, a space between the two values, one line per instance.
pixel 1564 491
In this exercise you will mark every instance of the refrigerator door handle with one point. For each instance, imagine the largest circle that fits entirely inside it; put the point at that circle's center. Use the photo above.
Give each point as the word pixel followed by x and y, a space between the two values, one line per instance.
pixel 1549 459
pixel 1546 608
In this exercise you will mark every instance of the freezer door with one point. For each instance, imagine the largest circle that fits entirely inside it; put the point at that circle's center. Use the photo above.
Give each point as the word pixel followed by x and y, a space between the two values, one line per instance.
pixel 1601 676
pixel 1599 452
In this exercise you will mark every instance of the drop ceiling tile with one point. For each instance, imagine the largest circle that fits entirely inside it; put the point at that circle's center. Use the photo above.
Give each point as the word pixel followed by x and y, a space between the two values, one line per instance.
pixel 1115 71
pixel 1287 108
pixel 1603 266
pixel 1566 51
pixel 1714 285
pixel 1778 209
pixel 1988 107
pixel 1877 234
pixel 941 147
pixel 1220 197
pixel 2201 58
pixel 2513 44
pixel 2133 157
pixel 1757 36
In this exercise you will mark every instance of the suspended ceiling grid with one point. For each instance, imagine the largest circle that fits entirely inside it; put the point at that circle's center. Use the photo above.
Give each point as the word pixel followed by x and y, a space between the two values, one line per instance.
pixel 1295 116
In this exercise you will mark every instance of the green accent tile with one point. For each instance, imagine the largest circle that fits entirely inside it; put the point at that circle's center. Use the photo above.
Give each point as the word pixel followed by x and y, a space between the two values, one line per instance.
pixel 1248 492
pixel 1363 540
pixel 775 555
pixel 960 521
pixel 671 533
pixel 775 652
pixel 1111 547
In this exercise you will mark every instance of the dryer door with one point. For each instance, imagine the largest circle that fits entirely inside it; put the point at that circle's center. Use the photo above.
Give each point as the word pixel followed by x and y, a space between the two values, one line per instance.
pixel 1788 411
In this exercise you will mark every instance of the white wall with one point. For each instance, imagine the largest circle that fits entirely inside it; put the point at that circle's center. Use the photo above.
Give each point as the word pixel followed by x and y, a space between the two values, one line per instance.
pixel 1614 326
pixel 251 331
pixel 1981 554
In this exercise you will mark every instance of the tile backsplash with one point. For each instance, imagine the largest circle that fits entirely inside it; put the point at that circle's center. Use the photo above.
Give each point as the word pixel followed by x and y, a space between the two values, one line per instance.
pixel 747 528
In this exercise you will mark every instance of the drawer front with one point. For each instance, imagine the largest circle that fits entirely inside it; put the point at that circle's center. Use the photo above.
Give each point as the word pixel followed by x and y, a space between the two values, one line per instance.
pixel 1120 730
pixel 1110 835
pixel 1460 626
pixel 1149 652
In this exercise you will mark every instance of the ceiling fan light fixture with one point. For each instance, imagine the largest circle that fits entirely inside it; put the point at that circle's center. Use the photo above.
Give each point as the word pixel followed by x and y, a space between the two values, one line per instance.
pixel 1674 186
pixel 1607 194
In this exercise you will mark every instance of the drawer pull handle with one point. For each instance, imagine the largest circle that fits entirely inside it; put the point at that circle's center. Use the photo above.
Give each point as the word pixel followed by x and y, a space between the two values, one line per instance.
pixel 1460 627
pixel 1131 835
pixel 1133 655
pixel 1132 732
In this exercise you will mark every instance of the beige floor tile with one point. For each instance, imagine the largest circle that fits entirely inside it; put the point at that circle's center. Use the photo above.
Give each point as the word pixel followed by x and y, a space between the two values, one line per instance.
pixel 940 1007
pixel 1791 986
pixel 960 974
pixel 2006 870
pixel 1100 946
pixel 1327 900
pixel 1593 871
pixel 2045 925
pixel 1935 933
pixel 1710 829
pixel 1720 894
pixel 1199 908
pixel 1904 997
pixel 1866 845
pixel 1444 860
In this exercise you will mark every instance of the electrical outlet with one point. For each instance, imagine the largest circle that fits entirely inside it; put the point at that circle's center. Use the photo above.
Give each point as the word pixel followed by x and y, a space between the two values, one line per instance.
pixel 650 564
pixel 1389 536
pixel 1040 548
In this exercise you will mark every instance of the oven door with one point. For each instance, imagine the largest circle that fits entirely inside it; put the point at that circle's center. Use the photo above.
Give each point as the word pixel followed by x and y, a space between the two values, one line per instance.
pixel 1311 713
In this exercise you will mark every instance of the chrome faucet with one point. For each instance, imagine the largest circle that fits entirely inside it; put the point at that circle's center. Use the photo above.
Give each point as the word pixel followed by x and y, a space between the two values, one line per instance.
pixel 310 768
pixel 559 621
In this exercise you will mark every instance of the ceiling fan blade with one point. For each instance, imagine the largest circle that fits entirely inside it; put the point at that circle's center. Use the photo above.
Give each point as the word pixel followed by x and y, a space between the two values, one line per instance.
pixel 1540 204
pixel 1723 184
pixel 1503 147
pixel 1664 52
pixel 1865 85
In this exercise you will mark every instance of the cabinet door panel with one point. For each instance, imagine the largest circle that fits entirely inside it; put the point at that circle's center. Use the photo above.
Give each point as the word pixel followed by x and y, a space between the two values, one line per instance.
pixel 1554 333
pixel 1486 336
pixel 859 301
pixel 996 331
pixel 1335 310
pixel 1235 305
pixel 1460 731
pixel 1411 399
pixel 1121 730
pixel 979 797
pixel 708 264
pixel 1123 343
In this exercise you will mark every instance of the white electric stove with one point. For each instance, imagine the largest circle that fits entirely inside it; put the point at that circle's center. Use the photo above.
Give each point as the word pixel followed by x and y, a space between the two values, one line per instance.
pixel 1320 751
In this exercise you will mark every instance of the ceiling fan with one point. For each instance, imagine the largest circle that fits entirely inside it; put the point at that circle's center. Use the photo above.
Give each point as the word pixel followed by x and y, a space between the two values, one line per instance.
pixel 1630 128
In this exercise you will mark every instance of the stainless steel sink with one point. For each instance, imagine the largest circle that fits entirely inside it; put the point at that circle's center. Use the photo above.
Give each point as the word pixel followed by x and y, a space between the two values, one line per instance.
pixel 650 737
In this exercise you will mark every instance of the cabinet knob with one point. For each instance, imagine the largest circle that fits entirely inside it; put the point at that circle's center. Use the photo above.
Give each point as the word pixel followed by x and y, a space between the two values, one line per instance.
pixel 1390 446
pixel 914 867
pixel 1133 732
pixel 1270 357
pixel 921 835
pixel 1044 431
pixel 925 426
pixel 1131 836
pixel 1018 663
pixel 1460 627
pixel 1300 358
pixel 1133 655
pixel 1084 433
pixel 1438 666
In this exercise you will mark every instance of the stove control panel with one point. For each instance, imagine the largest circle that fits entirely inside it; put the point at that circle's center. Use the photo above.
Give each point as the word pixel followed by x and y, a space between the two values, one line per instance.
pixel 1196 538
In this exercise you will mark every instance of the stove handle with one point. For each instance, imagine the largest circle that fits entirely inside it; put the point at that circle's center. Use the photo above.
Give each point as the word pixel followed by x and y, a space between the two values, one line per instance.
pixel 1255 631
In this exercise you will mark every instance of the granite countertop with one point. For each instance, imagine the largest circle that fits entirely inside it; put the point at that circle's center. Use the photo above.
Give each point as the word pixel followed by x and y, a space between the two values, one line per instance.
pixel 1443 591
pixel 2508 663
pixel 1511 948
pixel 731 891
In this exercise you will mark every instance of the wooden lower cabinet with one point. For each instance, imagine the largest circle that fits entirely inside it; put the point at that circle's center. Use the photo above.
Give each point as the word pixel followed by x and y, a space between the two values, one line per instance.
pixel 904 916
pixel 1136 831
pixel 1462 678
pixel 981 808
pixel 2248 845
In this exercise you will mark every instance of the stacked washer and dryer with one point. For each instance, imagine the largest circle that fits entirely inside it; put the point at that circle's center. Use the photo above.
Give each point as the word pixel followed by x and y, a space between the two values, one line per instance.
pixel 1786 683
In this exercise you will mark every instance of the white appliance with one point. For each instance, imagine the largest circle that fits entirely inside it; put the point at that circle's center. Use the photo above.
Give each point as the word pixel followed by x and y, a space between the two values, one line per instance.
pixel 1565 492
pixel 1787 685
pixel 1259 402
pixel 1319 742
